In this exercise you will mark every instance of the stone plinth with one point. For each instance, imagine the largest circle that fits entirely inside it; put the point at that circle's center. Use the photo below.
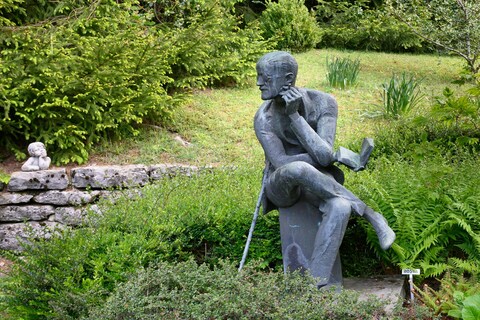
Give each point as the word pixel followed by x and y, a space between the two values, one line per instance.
pixel 38 180
pixel 110 177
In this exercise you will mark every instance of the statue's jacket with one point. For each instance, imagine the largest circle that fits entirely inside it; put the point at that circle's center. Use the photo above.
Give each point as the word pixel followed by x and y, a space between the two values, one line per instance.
pixel 318 115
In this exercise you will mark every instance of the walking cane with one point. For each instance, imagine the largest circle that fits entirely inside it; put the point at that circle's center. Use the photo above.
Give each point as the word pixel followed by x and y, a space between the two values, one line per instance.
pixel 255 216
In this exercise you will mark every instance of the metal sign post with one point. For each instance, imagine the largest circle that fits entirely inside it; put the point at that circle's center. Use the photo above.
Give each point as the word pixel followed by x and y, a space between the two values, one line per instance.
pixel 411 273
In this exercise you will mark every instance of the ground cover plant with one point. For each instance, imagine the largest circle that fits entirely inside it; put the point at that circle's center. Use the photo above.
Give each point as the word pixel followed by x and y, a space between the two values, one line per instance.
pixel 205 216
pixel 432 204
pixel 188 291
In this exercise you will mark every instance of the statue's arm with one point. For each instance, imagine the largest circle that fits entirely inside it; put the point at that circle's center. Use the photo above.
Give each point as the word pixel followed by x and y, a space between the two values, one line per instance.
pixel 30 165
pixel 44 163
pixel 319 144
pixel 273 146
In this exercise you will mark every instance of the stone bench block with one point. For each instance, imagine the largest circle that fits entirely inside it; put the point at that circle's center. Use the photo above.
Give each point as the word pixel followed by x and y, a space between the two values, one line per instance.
pixel 161 171
pixel 14 198
pixel 74 216
pixel 105 177
pixel 63 198
pixel 25 213
pixel 38 180
pixel 12 235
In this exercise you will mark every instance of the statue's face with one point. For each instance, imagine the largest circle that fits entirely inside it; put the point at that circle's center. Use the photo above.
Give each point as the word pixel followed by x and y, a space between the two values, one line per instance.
pixel 38 151
pixel 270 81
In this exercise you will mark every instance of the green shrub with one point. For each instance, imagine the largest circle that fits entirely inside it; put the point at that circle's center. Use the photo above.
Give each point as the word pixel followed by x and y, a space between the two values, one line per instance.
pixel 342 72
pixel 211 48
pixel 357 26
pixel 400 95
pixel 188 291
pixel 77 72
pixel 4 177
pixel 431 204
pixel 71 83
pixel 205 217
pixel 449 126
pixel 290 24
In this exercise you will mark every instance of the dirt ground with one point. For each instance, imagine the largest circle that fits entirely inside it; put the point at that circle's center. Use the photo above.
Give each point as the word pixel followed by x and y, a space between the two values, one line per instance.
pixel 10 165
pixel 5 266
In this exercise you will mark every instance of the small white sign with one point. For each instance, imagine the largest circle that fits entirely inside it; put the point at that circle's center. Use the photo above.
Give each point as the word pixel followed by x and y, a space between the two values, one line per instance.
pixel 411 271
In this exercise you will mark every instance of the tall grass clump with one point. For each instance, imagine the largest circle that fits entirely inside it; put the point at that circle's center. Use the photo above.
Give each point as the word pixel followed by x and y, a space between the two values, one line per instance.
pixel 400 95
pixel 342 72
pixel 205 217
pixel 451 125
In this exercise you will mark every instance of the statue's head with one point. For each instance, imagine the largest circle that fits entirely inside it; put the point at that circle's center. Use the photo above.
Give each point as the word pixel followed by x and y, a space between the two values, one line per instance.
pixel 37 149
pixel 276 72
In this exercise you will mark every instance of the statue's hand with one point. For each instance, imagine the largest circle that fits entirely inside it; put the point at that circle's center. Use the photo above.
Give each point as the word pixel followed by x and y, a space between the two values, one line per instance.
pixel 292 98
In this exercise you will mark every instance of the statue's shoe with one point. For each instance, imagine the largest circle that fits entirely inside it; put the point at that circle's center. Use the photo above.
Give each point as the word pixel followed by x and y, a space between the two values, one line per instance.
pixel 385 234
pixel 386 237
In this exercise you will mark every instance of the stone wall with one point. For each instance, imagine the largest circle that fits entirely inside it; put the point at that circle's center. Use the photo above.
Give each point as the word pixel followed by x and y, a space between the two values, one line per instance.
pixel 37 202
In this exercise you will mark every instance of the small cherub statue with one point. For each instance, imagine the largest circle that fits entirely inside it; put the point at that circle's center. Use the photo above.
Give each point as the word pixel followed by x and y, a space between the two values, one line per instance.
pixel 38 158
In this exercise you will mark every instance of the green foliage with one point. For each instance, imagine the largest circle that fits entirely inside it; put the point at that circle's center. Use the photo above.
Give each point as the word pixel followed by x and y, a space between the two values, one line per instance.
pixel 85 71
pixel 70 84
pixel 452 25
pixel 342 72
pixel 6 8
pixel 291 24
pixel 469 307
pixel 4 177
pixel 188 291
pixel 450 125
pixel 432 205
pixel 211 48
pixel 457 295
pixel 206 217
pixel 355 25
pixel 400 95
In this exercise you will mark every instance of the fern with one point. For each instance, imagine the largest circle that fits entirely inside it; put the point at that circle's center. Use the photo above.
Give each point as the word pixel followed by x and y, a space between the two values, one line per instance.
pixel 433 208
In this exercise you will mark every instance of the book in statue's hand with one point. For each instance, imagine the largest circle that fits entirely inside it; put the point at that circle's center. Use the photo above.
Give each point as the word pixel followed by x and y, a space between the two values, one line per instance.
pixel 353 160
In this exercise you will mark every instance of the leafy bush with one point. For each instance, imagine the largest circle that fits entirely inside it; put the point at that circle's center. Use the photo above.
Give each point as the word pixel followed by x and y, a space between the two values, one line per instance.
pixel 76 72
pixel 400 95
pixel 290 24
pixel 450 125
pixel 449 25
pixel 354 25
pixel 188 291
pixel 432 205
pixel 212 49
pixel 206 217
pixel 67 85
pixel 342 72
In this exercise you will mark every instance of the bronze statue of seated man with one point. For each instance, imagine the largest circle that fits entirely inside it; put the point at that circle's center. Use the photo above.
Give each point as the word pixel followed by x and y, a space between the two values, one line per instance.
pixel 296 128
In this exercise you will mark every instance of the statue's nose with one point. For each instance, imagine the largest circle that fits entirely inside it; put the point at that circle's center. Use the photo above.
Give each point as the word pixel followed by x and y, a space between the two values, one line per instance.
pixel 260 81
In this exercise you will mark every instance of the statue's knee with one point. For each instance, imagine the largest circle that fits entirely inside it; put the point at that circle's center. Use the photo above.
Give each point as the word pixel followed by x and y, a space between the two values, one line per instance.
pixel 340 207
pixel 297 169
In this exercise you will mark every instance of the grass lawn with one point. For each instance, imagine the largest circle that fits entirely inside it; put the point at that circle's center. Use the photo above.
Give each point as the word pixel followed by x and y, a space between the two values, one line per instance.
pixel 217 124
